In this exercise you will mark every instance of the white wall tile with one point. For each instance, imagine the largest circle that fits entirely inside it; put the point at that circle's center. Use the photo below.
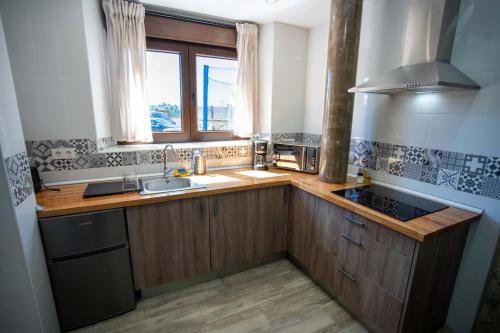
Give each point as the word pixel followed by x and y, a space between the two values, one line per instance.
pixel 478 15
pixel 36 124
pixel 48 54
pixel 477 51
pixel 73 56
pixel 54 90
pixel 396 128
pixel 23 56
pixel 77 93
pixel 29 90
pixel 477 134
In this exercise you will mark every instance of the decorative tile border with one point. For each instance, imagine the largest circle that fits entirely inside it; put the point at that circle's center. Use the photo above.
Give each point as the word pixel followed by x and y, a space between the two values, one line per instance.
pixel 90 156
pixel 18 173
pixel 470 173
pixel 299 137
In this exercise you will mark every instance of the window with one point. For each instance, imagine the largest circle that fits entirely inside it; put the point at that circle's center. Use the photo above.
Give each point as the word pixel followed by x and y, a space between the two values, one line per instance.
pixel 192 91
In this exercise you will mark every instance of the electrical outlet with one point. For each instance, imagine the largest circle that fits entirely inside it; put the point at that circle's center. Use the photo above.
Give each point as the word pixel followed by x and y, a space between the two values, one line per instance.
pixel 63 153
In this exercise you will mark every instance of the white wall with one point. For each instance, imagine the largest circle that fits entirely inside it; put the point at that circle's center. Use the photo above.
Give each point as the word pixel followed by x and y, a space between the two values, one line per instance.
pixel 95 36
pixel 289 78
pixel 266 56
pixel 317 49
pixel 282 60
pixel 58 61
pixel 26 303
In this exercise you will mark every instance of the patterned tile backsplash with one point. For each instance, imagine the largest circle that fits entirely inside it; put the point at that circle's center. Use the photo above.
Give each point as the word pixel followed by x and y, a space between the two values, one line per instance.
pixel 89 155
pixel 18 173
pixel 470 173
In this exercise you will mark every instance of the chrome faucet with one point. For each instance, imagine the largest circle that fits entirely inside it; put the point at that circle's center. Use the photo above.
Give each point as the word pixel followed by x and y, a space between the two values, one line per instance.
pixel 167 173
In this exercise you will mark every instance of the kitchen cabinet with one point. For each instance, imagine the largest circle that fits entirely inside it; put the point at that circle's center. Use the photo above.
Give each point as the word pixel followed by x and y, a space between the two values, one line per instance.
pixel 169 241
pixel 272 220
pixel 325 241
pixel 247 225
pixel 373 271
pixel 392 282
pixel 302 214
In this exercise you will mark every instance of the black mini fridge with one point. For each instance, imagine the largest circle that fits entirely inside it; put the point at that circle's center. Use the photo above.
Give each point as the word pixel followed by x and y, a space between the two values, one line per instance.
pixel 89 265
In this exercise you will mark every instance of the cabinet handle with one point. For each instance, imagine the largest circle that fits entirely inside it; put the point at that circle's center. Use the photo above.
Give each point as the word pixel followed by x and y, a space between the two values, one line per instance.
pixel 353 221
pixel 352 240
pixel 347 275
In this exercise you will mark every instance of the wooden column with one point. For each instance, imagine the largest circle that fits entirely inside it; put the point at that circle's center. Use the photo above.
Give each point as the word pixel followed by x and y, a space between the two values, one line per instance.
pixel 343 42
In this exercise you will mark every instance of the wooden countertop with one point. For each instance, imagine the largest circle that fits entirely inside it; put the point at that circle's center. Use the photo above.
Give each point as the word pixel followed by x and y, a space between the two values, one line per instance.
pixel 70 200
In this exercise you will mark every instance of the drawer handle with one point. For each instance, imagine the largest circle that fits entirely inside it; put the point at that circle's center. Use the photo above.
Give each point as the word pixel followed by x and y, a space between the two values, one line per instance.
pixel 352 240
pixel 353 221
pixel 83 224
pixel 347 275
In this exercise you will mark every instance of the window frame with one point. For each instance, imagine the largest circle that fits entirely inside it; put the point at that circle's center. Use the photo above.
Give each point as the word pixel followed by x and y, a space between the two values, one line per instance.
pixel 188 52
pixel 159 45
pixel 207 51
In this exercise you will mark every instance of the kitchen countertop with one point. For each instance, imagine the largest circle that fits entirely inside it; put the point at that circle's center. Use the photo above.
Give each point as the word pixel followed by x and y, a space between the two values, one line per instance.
pixel 70 199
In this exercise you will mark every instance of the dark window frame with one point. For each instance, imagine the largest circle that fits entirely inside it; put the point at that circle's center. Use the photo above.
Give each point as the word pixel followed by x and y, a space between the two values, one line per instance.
pixel 188 52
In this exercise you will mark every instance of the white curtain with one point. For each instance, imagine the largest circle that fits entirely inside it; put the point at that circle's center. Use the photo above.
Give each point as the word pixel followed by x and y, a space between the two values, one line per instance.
pixel 127 66
pixel 247 81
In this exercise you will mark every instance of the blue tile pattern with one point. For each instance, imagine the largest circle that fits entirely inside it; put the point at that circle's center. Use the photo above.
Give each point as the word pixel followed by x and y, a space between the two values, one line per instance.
pixel 470 173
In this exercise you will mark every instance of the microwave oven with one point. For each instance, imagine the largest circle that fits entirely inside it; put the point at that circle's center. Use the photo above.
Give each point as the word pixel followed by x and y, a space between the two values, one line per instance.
pixel 297 156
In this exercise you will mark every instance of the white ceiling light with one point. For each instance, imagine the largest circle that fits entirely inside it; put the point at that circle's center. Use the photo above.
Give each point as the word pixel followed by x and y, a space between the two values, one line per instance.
pixel 271 1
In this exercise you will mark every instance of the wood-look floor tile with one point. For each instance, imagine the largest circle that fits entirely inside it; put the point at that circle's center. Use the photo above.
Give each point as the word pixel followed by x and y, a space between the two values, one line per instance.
pixel 182 319
pixel 249 320
pixel 295 306
pixel 193 295
pixel 229 303
pixel 276 297
pixel 313 323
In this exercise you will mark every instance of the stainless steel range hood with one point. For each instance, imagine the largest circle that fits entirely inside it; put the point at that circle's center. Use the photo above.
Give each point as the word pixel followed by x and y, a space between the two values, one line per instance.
pixel 428 42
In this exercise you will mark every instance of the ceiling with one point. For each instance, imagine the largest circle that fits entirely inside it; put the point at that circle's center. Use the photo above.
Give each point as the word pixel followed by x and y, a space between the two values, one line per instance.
pixel 304 13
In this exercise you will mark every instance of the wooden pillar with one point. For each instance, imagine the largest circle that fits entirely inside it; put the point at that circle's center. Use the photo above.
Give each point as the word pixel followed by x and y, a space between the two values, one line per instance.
pixel 343 42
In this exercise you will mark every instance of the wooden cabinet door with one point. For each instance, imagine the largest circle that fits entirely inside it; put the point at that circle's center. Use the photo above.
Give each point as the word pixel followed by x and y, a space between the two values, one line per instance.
pixel 272 220
pixel 301 216
pixel 169 241
pixel 233 228
pixel 325 241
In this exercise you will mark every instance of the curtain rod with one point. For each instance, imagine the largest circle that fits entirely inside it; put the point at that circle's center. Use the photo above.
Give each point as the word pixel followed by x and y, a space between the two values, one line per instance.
pixel 189 16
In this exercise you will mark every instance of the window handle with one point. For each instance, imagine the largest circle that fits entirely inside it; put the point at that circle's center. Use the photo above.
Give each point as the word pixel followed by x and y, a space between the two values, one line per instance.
pixel 193 97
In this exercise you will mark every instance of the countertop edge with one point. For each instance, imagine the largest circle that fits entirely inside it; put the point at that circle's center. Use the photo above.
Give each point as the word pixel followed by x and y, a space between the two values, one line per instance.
pixel 304 184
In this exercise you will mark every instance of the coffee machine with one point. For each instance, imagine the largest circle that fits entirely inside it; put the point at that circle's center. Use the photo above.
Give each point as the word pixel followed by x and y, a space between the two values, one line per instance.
pixel 259 155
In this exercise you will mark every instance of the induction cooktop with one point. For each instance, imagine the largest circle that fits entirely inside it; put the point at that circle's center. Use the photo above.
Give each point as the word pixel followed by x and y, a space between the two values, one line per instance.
pixel 399 205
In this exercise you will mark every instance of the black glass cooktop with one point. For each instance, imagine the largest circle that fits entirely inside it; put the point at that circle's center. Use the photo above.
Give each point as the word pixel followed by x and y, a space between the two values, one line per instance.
pixel 399 205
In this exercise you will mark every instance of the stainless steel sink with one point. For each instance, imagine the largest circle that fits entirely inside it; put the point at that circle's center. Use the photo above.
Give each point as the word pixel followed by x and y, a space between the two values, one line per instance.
pixel 161 185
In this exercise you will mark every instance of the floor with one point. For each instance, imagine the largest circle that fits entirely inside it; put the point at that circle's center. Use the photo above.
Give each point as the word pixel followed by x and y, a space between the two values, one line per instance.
pixel 276 297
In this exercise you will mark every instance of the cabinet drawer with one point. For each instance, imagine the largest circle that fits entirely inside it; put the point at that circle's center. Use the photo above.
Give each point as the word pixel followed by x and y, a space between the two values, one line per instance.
pixel 373 270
